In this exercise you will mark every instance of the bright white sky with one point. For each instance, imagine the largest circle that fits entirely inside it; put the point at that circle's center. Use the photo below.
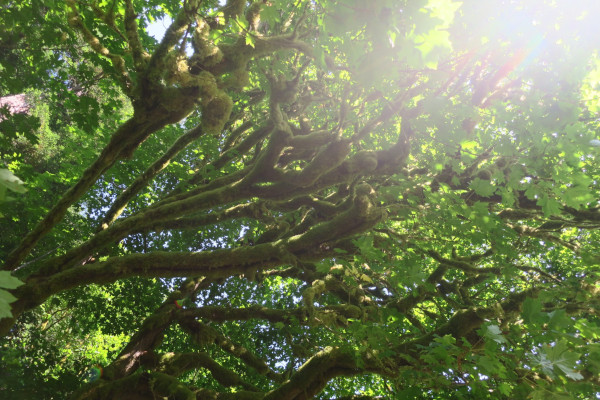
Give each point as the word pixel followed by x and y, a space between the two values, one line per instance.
pixel 157 28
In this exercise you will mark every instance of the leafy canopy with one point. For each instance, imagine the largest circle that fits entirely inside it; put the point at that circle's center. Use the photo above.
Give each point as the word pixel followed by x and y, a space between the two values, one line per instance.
pixel 330 199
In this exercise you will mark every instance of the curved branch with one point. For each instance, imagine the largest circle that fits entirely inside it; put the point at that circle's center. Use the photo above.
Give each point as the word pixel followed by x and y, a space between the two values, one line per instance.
pixel 173 364
pixel 204 334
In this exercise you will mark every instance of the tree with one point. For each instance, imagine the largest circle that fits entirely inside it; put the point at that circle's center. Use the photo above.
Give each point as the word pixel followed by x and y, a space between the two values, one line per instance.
pixel 290 200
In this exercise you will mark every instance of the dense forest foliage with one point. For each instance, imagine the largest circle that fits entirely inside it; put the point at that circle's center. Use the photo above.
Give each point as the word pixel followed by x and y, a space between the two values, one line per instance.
pixel 286 200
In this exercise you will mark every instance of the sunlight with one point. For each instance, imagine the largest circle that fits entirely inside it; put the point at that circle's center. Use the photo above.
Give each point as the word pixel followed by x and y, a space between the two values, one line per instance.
pixel 531 29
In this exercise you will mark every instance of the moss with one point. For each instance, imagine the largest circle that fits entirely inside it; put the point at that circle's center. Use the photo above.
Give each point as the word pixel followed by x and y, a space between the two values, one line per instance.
pixel 327 159
pixel 310 141
pixel 204 335
pixel 237 79
pixel 176 69
pixel 208 84
pixel 216 113
pixel 326 318
pixel 284 91
pixel 169 387
pixel 364 189
pixel 484 174
pixel 363 161
pixel 336 269
pixel 250 274
pixel 253 15
pixel 502 162
pixel 233 8
pixel 224 376
pixel 157 320
pixel 167 358
pixel 313 291
pixel 205 51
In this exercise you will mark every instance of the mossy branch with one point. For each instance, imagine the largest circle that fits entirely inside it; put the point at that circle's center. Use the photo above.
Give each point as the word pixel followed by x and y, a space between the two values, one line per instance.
pixel 146 177
pixel 106 159
pixel 173 34
pixel 221 314
pixel 326 160
pixel 174 364
pixel 120 71
pixel 108 17
pixel 312 377
pixel 205 334
pixel 133 38
pixel 151 333
pixel 464 322
pixel 421 293
pixel 278 139
pixel 237 151
pixel 210 264
pixel 247 210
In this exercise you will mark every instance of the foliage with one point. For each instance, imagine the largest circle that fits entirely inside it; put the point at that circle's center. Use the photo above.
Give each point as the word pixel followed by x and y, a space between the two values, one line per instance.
pixel 291 200
pixel 8 181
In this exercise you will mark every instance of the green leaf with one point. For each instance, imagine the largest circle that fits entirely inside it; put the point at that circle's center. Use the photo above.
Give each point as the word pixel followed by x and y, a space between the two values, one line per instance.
pixel 250 40
pixel 505 388
pixel 577 195
pixel 6 296
pixel 242 23
pixel 11 182
pixel 550 206
pixel 483 187
pixel 270 14
pixel 532 312
pixel 544 394
pixel 588 330
pixel 323 267
pixel 8 281
pixel 5 310
pixel 493 332
pixel 563 359
pixel 491 366
pixel 434 105
pixel 364 243
pixel 559 320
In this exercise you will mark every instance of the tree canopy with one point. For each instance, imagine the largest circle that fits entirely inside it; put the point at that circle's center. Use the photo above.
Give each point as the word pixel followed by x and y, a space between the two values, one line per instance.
pixel 286 200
